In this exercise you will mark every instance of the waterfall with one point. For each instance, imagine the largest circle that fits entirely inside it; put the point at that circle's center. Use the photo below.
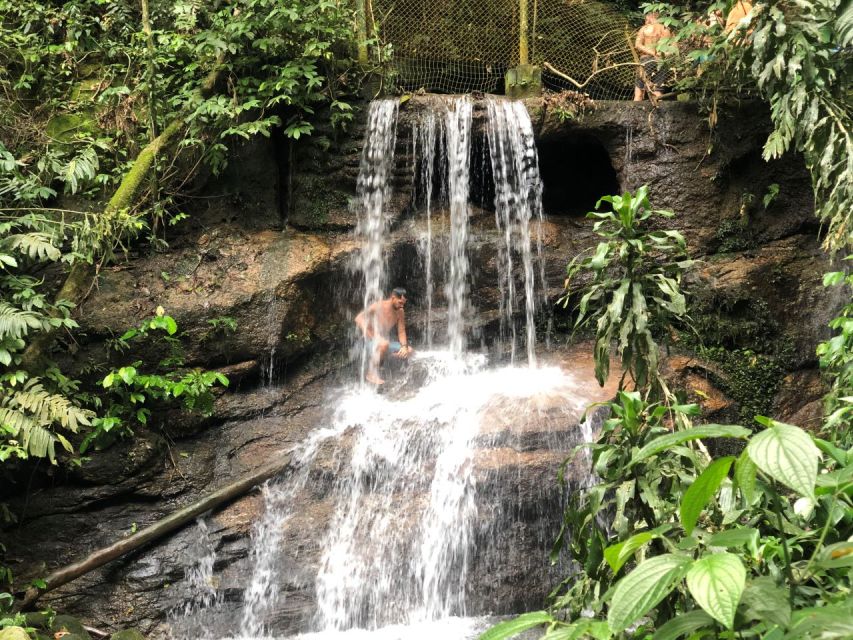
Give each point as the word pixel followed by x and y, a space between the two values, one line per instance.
pixel 458 132
pixel 372 194
pixel 417 484
pixel 518 204
pixel 262 590
pixel 424 148
pixel 201 582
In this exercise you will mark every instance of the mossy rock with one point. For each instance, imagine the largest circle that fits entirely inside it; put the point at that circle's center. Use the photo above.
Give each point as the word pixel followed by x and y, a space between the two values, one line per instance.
pixel 38 619
pixel 66 126
pixel 317 203
pixel 86 90
pixel 72 624
pixel 14 633
pixel 127 634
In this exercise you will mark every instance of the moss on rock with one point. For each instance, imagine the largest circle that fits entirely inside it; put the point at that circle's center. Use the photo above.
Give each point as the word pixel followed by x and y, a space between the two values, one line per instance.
pixel 66 126
pixel 316 201
pixel 72 624
pixel 14 633
pixel 750 378
pixel 127 634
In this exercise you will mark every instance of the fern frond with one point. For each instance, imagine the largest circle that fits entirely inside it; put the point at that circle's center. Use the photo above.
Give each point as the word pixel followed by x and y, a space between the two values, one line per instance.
pixel 17 323
pixel 48 408
pixel 16 422
pixel 40 443
pixel 35 244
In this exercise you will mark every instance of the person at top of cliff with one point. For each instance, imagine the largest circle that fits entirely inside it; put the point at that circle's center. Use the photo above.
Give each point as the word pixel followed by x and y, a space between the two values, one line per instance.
pixel 652 75
pixel 376 323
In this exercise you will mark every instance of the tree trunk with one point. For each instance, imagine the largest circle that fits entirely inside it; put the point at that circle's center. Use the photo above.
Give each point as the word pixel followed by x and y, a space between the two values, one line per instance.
pixel 154 532
pixel 77 283
pixel 79 278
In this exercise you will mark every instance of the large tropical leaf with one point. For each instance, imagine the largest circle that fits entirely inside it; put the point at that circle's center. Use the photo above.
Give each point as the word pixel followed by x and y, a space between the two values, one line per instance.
pixel 788 455
pixel 645 587
pixel 716 582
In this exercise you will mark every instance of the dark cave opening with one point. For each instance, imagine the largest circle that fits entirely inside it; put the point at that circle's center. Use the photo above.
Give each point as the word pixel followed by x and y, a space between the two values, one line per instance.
pixel 576 171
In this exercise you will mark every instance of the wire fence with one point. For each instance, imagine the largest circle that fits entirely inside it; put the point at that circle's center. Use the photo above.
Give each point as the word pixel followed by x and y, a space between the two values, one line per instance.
pixel 460 46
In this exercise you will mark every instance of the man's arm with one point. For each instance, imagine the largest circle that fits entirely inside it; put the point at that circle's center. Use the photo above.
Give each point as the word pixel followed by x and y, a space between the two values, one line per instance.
pixel 401 333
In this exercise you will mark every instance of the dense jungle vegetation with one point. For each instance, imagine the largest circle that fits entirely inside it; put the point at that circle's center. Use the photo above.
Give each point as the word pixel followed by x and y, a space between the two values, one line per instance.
pixel 697 530
pixel 110 109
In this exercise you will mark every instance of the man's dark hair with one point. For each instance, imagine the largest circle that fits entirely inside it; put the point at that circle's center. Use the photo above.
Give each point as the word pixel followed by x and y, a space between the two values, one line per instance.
pixel 398 292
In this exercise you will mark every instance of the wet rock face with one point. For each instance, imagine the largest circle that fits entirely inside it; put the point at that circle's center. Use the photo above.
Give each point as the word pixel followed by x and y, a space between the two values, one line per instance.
pixel 294 292
pixel 293 296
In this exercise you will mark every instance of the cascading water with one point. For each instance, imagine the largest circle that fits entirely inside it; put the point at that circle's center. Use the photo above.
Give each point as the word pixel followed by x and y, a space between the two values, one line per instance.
pixel 373 193
pixel 421 482
pixel 458 145
pixel 202 584
pixel 518 202
pixel 424 135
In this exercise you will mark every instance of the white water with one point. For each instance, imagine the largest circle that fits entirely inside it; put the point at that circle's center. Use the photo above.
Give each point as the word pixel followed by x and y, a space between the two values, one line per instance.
pixel 425 140
pixel 518 204
pixel 406 502
pixel 373 193
pixel 202 583
pixel 458 129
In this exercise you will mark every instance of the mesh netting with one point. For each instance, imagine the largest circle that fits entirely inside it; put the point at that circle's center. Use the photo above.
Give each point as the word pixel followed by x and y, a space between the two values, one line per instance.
pixel 459 46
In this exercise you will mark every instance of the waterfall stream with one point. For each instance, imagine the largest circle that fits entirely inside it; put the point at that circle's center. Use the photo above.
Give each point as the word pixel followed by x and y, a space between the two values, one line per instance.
pixel 373 193
pixel 421 485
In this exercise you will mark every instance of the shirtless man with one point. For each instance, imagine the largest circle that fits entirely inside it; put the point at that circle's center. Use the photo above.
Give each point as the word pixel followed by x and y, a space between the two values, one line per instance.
pixel 375 324
pixel 646 44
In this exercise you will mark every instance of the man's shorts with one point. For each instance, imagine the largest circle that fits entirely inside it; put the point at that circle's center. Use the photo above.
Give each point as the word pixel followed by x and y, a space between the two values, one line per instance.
pixel 393 346
pixel 656 72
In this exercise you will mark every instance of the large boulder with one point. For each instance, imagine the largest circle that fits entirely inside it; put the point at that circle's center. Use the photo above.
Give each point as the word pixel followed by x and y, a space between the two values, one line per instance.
pixel 14 633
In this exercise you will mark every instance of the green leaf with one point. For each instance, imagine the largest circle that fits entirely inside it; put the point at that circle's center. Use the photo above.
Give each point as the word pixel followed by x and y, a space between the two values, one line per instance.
pixel 735 538
pixel 617 555
pixel 645 587
pixel 833 278
pixel 696 433
pixel 683 624
pixel 702 490
pixel 583 628
pixel 788 455
pixel 511 628
pixel 764 600
pixel 839 455
pixel 171 325
pixel 830 621
pixel 745 475
pixel 599 260
pixel 716 582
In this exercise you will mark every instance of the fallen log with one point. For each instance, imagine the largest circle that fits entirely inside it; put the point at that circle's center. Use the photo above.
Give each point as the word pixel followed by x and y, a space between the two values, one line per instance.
pixel 151 533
